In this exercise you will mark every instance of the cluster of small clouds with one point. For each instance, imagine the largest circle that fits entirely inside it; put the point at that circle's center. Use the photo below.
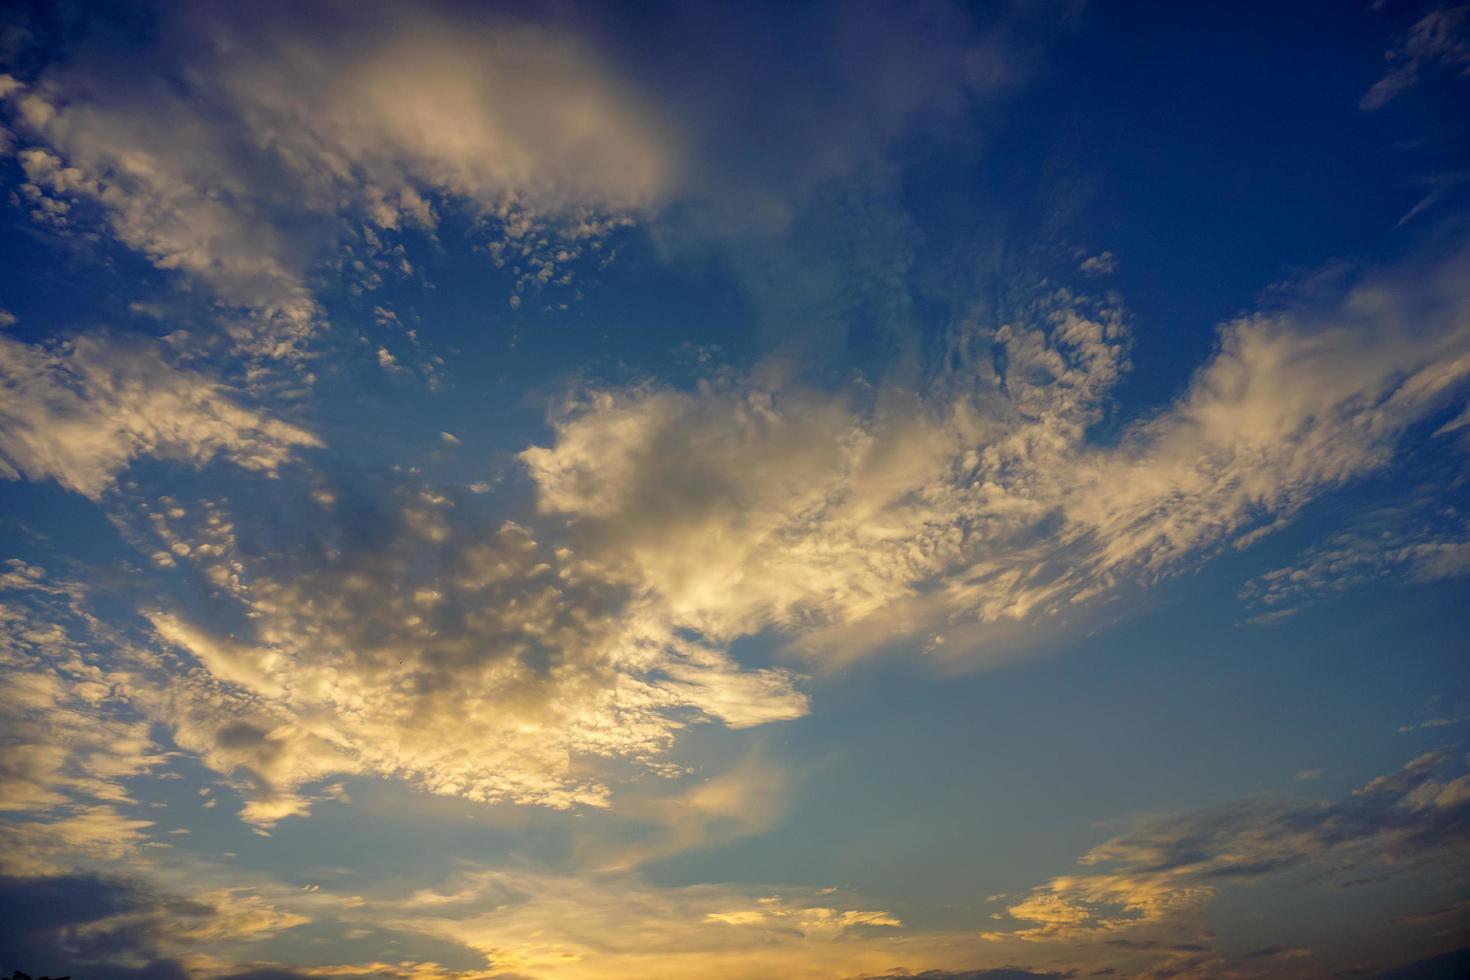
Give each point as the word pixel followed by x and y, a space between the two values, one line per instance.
pixel 71 740
pixel 76 746
pixel 412 634
pixel 862 516
pixel 325 683
pixel 1414 543
pixel 416 635
pixel 1149 889
pixel 460 654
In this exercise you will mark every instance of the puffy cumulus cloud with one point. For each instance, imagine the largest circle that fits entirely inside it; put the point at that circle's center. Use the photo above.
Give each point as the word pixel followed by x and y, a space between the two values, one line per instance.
pixel 241 149
pixel 415 638
pixel 81 411
pixel 714 499
pixel 870 515
pixel 1148 889
pixel 1441 38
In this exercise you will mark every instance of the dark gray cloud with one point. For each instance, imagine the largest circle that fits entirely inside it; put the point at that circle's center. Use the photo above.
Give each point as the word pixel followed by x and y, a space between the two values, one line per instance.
pixel 40 920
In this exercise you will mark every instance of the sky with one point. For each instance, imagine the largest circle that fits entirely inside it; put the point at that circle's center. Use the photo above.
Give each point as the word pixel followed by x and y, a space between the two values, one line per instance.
pixel 739 490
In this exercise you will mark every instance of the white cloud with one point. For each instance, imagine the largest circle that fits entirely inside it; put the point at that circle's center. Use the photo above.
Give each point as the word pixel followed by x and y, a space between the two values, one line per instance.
pixel 472 661
pixel 842 519
pixel 286 137
pixel 853 518
pixel 81 411
pixel 1416 542
pixel 71 739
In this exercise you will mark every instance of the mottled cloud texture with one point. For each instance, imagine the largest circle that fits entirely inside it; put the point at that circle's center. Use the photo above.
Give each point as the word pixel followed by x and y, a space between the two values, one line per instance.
pixel 604 627
pixel 982 500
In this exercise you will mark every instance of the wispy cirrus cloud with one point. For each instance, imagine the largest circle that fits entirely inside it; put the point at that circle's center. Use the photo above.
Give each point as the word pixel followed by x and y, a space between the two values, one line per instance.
pixel 1418 541
pixel 1439 39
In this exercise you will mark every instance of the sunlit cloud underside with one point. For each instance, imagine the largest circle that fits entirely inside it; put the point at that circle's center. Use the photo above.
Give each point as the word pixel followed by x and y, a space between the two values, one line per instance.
pixel 734 491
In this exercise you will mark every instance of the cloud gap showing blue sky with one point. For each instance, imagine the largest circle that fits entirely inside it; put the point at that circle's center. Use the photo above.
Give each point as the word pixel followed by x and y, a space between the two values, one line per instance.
pixel 844 490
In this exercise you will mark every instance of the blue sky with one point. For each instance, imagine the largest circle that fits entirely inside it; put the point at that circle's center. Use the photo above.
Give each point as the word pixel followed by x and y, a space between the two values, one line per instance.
pixel 736 490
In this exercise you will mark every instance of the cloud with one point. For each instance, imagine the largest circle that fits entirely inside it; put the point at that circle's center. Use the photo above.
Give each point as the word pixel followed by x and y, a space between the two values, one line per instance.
pixel 747 504
pixel 1417 541
pixel 1440 38
pixel 71 741
pixel 1433 723
pixel 411 636
pixel 82 923
pixel 261 156
pixel 868 515
pixel 81 411
pixel 409 622
pixel 745 800
pixel 618 926
pixel 297 133
pixel 113 926
pixel 1154 883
